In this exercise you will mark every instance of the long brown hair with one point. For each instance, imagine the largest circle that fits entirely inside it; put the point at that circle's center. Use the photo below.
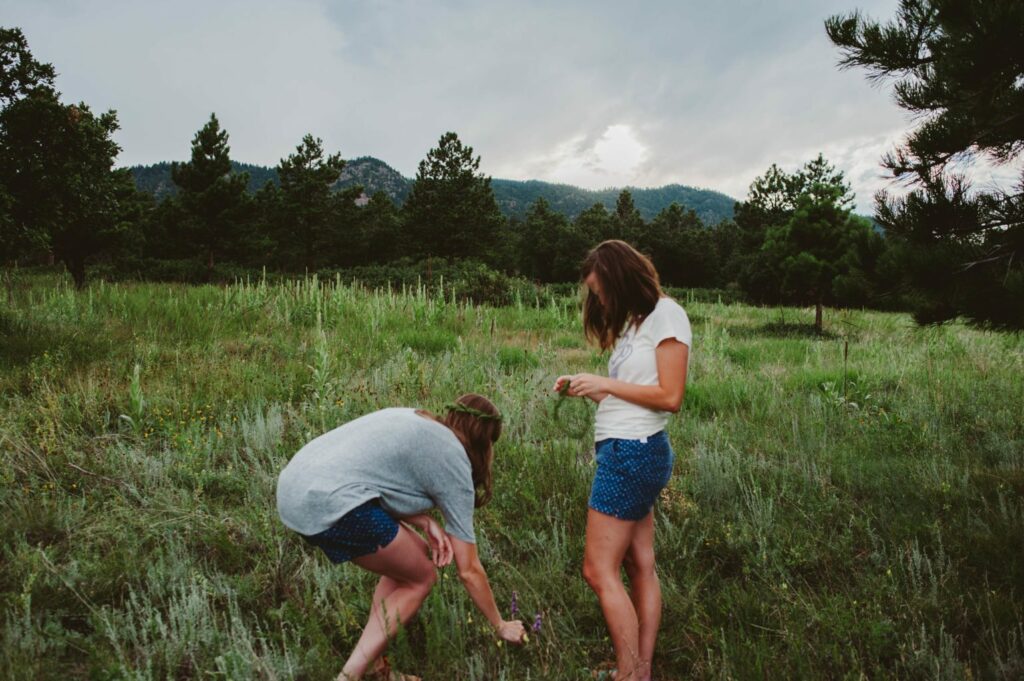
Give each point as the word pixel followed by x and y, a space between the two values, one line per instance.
pixel 629 284
pixel 477 423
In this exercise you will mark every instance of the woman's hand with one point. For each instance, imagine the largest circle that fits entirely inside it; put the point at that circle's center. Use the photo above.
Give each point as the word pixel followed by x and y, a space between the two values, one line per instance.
pixel 588 385
pixel 440 544
pixel 511 631
pixel 582 385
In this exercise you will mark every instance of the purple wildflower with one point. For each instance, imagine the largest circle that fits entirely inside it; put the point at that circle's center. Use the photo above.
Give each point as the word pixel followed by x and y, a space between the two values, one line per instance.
pixel 536 623
pixel 514 608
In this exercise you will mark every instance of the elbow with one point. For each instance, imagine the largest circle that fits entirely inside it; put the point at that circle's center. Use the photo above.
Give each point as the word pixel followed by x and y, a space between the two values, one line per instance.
pixel 470 574
pixel 674 403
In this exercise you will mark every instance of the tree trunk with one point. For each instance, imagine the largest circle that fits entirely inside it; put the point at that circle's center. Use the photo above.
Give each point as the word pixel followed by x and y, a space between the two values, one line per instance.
pixel 76 266
pixel 817 318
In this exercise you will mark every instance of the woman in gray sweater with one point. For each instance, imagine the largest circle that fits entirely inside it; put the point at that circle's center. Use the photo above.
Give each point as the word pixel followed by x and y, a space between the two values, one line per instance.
pixel 356 491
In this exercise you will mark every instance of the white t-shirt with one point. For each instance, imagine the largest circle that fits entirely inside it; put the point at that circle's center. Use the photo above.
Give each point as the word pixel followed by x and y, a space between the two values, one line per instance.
pixel 633 360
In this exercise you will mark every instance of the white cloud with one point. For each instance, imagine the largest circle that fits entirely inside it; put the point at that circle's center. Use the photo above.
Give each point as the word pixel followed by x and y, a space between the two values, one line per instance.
pixel 611 160
pixel 592 92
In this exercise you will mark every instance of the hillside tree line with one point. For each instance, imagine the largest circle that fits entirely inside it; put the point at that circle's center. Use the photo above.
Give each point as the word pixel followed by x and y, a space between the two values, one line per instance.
pixel 943 251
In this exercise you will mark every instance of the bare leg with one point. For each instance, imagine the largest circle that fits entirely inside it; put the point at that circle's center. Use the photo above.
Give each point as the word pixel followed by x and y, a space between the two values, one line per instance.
pixel 606 544
pixel 644 591
pixel 407 576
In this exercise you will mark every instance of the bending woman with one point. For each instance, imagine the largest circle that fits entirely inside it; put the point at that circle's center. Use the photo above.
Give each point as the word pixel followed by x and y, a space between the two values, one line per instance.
pixel 355 492
pixel 649 334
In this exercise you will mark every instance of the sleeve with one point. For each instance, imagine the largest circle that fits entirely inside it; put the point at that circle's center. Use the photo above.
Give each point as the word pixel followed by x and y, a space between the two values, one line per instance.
pixel 449 483
pixel 672 324
pixel 457 507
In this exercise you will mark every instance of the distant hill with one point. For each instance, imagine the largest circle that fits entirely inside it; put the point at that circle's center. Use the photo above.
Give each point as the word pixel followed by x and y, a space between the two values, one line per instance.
pixel 156 179
pixel 514 197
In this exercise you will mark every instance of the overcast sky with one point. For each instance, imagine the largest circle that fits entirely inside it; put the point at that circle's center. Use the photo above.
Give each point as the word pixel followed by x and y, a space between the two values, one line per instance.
pixel 591 93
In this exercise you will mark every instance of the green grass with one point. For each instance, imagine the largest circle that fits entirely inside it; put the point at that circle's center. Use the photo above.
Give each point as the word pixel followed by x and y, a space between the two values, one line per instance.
pixel 829 516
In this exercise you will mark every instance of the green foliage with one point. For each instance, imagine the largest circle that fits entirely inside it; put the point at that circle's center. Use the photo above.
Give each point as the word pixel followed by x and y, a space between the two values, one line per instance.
pixel 957 67
pixel 827 518
pixel 682 248
pixel 799 243
pixel 211 197
pixel 451 210
pixel 306 224
pixel 627 224
pixel 20 74
pixel 56 167
pixel 551 247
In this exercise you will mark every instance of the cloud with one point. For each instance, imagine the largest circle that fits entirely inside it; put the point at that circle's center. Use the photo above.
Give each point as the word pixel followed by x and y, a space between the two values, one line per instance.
pixel 611 160
pixel 590 92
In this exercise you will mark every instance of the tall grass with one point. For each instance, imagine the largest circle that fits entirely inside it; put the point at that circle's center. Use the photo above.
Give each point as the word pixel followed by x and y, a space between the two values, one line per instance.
pixel 849 506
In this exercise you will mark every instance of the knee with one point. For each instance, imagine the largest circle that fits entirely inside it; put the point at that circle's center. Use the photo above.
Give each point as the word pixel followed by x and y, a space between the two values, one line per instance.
pixel 429 579
pixel 639 564
pixel 596 576
pixel 424 582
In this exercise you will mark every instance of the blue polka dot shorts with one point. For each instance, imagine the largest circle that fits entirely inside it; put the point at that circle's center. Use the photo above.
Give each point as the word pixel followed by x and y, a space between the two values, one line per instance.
pixel 630 475
pixel 359 532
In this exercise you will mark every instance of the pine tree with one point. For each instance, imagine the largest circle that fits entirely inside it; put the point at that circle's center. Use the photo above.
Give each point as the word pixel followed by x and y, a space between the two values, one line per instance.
pixel 801 242
pixel 306 179
pixel 959 67
pixel 451 211
pixel 211 196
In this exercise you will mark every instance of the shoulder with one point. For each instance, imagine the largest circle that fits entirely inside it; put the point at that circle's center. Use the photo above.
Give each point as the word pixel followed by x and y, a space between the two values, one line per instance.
pixel 668 310
pixel 668 319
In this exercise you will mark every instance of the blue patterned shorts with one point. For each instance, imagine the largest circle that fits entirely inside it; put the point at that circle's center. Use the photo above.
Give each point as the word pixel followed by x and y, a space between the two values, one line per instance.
pixel 359 532
pixel 630 475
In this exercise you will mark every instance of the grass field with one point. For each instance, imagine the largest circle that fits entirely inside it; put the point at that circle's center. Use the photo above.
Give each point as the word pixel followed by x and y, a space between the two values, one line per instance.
pixel 842 507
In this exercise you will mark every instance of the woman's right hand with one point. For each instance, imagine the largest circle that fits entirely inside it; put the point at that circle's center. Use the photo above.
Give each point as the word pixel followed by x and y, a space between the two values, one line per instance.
pixel 512 631
pixel 440 544
pixel 560 384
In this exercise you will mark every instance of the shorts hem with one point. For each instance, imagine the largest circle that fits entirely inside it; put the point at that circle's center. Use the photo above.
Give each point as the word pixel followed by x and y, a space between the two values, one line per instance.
pixel 618 515
pixel 368 551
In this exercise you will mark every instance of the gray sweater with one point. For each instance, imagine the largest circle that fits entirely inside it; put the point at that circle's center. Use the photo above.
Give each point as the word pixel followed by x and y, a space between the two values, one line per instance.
pixel 411 463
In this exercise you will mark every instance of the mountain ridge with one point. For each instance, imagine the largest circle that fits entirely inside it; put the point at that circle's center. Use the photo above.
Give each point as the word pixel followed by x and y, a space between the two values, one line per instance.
pixel 514 197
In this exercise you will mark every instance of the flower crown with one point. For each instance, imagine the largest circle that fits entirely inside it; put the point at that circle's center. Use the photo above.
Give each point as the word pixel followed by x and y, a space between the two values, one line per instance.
pixel 466 409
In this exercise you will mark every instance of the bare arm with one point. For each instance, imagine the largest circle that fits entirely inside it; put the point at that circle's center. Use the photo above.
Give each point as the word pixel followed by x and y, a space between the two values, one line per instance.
pixel 671 356
pixel 473 577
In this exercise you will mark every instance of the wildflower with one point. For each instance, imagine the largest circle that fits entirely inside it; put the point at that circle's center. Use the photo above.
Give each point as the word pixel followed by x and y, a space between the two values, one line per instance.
pixel 514 607
pixel 536 623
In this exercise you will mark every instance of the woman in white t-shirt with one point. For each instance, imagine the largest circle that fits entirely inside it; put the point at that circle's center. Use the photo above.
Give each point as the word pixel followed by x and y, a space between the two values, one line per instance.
pixel 649 335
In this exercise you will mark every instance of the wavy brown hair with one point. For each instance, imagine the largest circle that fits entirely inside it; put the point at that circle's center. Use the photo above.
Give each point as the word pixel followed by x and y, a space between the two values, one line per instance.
pixel 477 423
pixel 630 286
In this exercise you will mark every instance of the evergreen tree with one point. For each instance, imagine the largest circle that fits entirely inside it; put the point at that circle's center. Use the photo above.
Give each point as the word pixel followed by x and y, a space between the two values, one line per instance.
pixel 682 248
pixel 627 224
pixel 957 65
pixel 594 225
pixel 552 248
pixel 451 211
pixel 382 227
pixel 211 196
pixel 306 180
pixel 799 242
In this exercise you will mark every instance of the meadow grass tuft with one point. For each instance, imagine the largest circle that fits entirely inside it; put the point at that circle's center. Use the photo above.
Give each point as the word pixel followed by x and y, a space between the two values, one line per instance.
pixel 843 506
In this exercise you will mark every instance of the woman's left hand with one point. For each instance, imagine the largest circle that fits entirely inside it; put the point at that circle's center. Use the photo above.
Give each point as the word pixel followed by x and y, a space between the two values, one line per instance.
pixel 440 544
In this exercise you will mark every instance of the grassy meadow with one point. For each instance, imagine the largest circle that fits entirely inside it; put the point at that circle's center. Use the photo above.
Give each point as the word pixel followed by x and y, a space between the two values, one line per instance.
pixel 843 507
